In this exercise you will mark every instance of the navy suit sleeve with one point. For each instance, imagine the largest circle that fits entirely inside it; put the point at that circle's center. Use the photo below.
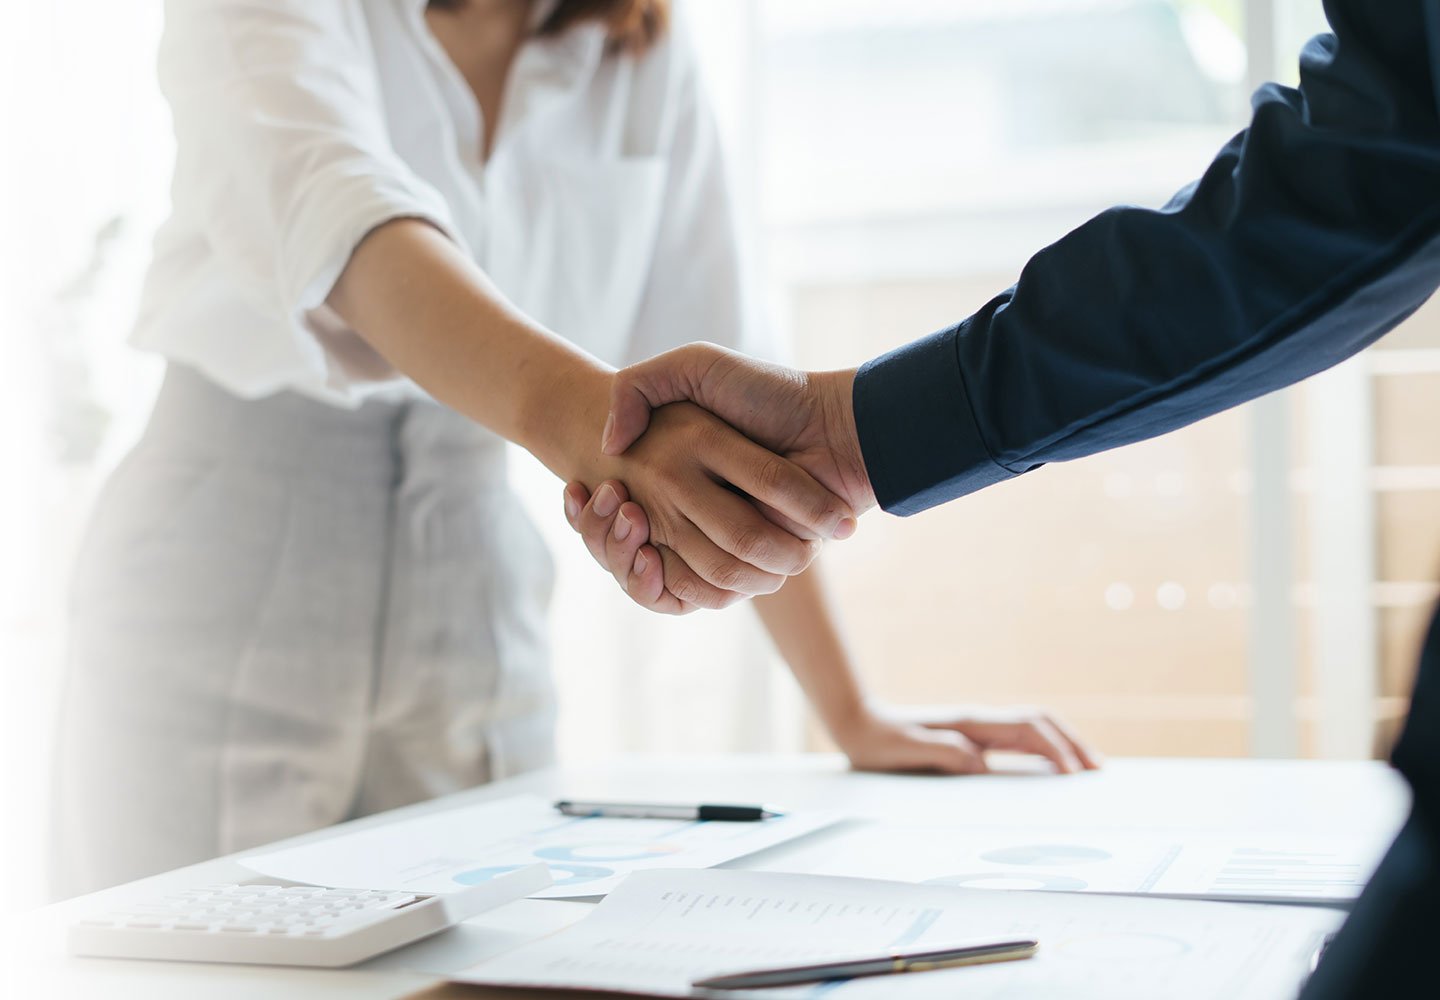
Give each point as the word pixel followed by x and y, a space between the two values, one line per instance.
pixel 1313 232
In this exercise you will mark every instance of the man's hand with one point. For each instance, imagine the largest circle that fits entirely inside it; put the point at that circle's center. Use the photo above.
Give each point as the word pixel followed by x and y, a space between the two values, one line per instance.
pixel 807 417
pixel 730 549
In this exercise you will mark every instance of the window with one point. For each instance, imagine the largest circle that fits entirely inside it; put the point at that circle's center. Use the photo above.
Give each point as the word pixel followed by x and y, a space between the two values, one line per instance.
pixel 904 160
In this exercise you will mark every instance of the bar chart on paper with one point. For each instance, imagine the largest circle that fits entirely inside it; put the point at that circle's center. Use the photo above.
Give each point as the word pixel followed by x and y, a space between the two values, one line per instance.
pixel 588 856
pixel 1264 872
pixel 1256 868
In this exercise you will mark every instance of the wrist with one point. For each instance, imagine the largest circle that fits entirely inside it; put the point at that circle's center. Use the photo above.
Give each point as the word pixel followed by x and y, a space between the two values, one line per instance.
pixel 562 418
pixel 847 721
pixel 836 390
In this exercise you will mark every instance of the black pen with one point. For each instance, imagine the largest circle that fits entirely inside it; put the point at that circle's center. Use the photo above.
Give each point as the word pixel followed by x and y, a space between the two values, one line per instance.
pixel 659 810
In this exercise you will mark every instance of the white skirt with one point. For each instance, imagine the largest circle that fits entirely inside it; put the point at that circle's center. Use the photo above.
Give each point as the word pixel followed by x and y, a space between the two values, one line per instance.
pixel 286 615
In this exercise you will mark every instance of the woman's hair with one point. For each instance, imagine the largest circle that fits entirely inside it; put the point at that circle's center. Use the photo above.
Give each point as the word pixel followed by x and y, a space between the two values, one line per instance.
pixel 631 25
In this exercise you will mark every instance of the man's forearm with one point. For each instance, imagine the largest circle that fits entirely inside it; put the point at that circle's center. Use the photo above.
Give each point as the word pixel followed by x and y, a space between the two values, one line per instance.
pixel 1311 235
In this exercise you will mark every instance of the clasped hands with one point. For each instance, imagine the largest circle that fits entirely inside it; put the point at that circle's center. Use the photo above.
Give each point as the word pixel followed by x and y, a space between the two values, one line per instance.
pixel 806 481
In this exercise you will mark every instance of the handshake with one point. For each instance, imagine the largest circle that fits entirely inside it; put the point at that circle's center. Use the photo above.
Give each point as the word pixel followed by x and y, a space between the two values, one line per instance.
pixel 719 506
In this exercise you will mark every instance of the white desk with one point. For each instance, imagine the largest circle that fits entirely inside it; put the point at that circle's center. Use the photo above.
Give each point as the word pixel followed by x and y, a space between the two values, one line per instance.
pixel 1362 798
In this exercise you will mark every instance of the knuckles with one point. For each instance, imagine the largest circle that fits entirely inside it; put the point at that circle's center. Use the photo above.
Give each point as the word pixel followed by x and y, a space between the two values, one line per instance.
pixel 729 574
pixel 770 476
pixel 689 590
pixel 754 545
pixel 706 436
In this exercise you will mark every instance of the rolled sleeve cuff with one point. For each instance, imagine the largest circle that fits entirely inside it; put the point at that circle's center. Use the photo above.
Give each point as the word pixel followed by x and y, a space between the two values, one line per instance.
pixel 341 209
pixel 917 431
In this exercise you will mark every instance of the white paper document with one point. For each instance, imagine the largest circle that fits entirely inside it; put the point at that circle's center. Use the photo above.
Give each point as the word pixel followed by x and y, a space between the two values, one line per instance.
pixel 588 856
pixel 660 930
pixel 1250 868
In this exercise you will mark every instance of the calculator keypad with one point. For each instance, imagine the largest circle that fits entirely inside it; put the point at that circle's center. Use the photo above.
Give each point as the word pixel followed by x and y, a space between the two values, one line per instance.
pixel 297 911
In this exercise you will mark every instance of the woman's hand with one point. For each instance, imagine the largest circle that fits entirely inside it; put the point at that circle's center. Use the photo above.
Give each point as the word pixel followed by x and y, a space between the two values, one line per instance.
pixel 617 533
pixel 956 742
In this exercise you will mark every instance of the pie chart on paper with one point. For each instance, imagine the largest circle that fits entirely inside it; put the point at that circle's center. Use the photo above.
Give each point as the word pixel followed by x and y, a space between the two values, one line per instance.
pixel 602 853
pixel 564 874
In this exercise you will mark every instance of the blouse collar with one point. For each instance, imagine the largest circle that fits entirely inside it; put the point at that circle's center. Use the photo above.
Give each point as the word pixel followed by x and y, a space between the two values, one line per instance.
pixel 548 68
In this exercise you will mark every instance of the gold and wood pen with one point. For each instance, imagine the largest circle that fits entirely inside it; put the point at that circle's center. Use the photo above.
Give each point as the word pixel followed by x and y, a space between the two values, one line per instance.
pixel 919 960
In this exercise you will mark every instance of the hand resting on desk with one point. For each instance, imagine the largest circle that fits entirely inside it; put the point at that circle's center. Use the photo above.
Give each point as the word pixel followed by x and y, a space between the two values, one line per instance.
pixel 873 737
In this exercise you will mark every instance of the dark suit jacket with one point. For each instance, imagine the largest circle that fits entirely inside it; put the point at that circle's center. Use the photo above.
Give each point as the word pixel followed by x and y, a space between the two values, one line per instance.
pixel 1390 945
pixel 1314 232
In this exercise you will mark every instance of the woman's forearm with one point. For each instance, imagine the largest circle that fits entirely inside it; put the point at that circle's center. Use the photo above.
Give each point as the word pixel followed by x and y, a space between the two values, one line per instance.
pixel 802 624
pixel 435 316
pixel 432 314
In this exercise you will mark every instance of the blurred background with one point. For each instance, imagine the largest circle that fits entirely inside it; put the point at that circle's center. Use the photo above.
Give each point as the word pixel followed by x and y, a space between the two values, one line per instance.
pixel 1255 584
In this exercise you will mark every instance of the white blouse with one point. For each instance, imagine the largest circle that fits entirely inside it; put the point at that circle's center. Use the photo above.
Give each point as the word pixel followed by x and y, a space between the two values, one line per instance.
pixel 301 125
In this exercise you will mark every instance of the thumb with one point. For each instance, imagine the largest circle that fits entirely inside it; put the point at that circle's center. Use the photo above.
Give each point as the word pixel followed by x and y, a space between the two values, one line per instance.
pixel 671 377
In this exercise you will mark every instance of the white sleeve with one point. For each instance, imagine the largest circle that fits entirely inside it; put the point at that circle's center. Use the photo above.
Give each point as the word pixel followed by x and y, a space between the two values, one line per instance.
pixel 699 287
pixel 282 146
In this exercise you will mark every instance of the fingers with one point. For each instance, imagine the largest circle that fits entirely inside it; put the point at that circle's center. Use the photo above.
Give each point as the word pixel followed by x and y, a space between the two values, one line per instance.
pixel 737 527
pixel 1091 758
pixel 613 529
pixel 577 502
pixel 646 584
pixel 920 750
pixel 668 378
pixel 627 537
pixel 778 483
pixel 721 570
pixel 1044 735
pixel 689 589
pixel 640 564
pixel 1041 738
pixel 658 579
pixel 1031 732
pixel 616 527
pixel 616 531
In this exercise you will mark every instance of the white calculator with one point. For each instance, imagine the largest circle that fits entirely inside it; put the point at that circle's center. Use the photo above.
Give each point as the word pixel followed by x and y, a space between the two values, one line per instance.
pixel 288 925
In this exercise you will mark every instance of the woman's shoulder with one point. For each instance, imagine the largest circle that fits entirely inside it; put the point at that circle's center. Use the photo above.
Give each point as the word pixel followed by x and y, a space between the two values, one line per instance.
pixel 661 85
pixel 205 38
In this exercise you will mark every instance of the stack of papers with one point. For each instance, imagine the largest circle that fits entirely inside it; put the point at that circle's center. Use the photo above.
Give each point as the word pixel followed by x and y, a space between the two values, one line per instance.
pixel 670 918
pixel 457 848
pixel 661 930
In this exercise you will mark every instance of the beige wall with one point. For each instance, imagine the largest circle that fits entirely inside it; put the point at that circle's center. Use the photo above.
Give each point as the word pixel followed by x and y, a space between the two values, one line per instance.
pixel 1002 596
